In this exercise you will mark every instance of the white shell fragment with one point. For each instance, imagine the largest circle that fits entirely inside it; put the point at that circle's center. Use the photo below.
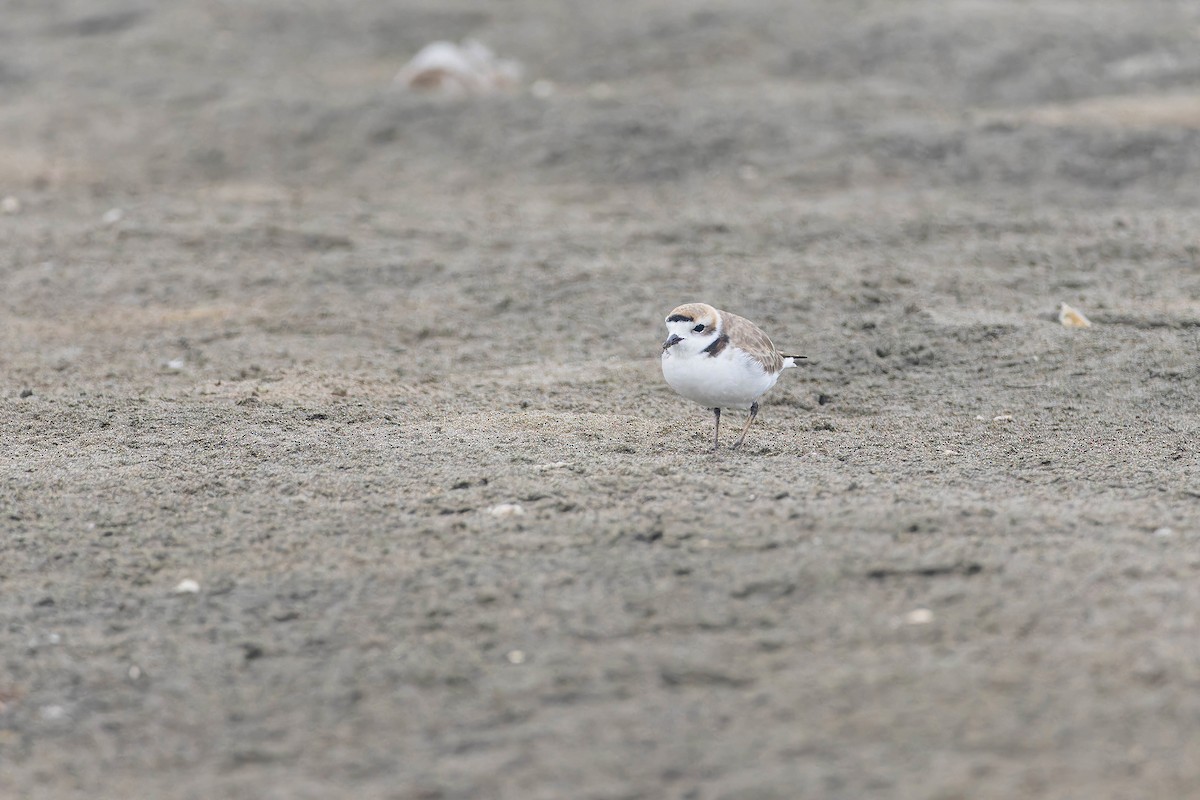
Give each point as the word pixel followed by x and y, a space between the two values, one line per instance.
pixel 1072 317
pixel 506 510
pixel 515 657
pixel 469 68
pixel 919 616
pixel 10 205
pixel 187 586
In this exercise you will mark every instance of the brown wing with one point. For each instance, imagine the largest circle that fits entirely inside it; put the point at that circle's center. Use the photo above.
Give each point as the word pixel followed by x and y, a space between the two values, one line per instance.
pixel 746 335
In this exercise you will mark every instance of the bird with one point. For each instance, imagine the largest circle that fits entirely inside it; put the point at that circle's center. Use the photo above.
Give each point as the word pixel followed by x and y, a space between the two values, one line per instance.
pixel 720 360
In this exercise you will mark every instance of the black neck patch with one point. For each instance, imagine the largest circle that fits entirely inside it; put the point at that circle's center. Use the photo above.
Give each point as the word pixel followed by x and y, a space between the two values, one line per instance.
pixel 717 346
pixel 680 318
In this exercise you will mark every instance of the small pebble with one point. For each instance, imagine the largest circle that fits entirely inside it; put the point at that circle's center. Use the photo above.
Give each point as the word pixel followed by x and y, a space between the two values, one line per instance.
pixel 506 510
pixel 10 205
pixel 26 393
pixel 187 586
pixel 112 216
pixel 176 364
pixel 1002 418
pixel 135 672
pixel 919 616
pixel 515 657
pixel 1164 532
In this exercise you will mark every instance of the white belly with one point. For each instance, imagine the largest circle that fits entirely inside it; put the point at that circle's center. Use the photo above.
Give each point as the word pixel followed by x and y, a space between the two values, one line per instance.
pixel 728 381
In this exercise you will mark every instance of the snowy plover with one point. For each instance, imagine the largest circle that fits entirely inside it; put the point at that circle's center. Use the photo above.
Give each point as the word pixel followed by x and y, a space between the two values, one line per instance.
pixel 720 360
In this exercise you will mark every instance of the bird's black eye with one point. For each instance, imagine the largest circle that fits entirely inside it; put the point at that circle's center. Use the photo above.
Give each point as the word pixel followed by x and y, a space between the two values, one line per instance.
pixel 698 328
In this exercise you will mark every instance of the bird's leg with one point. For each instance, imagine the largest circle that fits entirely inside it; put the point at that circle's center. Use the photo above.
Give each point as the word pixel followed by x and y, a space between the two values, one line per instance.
pixel 749 422
pixel 717 430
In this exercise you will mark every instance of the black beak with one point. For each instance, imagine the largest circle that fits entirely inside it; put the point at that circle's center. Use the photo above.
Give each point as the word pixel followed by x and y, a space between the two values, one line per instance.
pixel 671 342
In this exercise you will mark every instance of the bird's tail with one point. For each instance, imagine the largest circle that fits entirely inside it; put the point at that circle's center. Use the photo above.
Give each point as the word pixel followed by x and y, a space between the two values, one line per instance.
pixel 790 361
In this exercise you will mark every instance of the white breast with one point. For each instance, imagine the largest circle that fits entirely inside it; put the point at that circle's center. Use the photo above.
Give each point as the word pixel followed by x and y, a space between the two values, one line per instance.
pixel 730 380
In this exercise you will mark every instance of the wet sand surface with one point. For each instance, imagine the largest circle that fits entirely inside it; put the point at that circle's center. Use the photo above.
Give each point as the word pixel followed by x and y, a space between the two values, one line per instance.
pixel 274 326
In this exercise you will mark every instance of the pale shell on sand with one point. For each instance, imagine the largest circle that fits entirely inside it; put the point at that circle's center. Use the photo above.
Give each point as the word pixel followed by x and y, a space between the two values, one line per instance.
pixel 1072 317
pixel 506 510
pixel 467 68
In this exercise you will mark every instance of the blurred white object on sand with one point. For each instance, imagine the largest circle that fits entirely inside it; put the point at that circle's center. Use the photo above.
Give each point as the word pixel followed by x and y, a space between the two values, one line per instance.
pixel 469 68
pixel 1072 317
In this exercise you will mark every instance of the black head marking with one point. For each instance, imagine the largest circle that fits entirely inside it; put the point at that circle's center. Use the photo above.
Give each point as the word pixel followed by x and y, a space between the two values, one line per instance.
pixel 680 318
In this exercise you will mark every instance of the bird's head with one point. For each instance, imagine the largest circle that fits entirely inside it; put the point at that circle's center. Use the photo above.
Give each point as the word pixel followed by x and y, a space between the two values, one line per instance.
pixel 691 328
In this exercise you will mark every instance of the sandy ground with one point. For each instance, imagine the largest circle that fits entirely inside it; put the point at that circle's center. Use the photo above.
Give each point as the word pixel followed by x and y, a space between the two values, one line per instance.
pixel 273 326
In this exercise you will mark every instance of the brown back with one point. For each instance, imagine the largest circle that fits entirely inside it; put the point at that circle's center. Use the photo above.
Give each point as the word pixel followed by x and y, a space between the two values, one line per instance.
pixel 746 335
